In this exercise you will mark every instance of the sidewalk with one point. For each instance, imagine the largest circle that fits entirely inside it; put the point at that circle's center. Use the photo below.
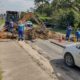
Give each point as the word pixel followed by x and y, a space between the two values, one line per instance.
pixel 16 64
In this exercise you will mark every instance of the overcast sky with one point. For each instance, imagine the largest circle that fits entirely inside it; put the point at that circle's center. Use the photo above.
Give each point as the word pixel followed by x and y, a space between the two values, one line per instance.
pixel 16 5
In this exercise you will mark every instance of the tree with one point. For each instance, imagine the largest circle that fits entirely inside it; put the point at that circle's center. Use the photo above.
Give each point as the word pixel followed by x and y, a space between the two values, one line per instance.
pixel 40 4
pixel 61 12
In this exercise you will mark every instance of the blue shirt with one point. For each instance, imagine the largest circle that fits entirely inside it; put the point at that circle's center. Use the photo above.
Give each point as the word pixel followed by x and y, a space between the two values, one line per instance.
pixel 69 31
pixel 21 27
pixel 78 33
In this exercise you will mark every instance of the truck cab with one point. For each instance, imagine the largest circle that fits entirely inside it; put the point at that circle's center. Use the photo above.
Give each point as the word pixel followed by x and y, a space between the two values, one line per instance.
pixel 11 16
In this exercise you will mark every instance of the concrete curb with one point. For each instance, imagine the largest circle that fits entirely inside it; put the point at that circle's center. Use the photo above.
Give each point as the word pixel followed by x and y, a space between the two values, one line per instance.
pixel 54 42
pixel 5 40
pixel 39 59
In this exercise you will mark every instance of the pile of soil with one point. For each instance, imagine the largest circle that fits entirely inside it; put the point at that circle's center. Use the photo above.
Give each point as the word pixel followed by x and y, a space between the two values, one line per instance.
pixel 7 35
pixel 38 33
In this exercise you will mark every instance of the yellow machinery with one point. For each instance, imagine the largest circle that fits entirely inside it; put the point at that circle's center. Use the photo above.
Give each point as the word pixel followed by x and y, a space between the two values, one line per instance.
pixel 30 15
pixel 32 32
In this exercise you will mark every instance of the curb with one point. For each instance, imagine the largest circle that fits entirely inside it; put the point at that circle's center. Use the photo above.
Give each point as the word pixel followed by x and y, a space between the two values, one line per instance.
pixel 5 40
pixel 57 44
pixel 39 59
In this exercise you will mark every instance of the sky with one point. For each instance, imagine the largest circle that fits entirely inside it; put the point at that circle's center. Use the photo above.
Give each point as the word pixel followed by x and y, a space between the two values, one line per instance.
pixel 16 5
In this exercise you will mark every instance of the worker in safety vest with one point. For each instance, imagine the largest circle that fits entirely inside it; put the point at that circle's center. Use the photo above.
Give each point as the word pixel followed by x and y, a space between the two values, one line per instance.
pixel 21 30
pixel 68 32
pixel 78 34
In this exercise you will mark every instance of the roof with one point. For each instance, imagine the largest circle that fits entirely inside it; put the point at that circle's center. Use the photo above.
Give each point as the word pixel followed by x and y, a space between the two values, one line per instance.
pixel 11 11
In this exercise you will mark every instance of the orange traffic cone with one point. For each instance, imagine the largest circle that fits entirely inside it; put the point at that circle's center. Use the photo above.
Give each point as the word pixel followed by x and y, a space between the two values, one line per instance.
pixel 63 38
pixel 60 39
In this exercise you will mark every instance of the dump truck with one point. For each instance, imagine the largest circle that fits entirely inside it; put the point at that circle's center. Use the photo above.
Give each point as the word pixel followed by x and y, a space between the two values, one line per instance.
pixel 11 16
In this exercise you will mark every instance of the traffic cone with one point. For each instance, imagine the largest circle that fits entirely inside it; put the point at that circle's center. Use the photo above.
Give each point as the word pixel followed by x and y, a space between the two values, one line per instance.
pixel 74 39
pixel 69 40
pixel 60 39
pixel 63 38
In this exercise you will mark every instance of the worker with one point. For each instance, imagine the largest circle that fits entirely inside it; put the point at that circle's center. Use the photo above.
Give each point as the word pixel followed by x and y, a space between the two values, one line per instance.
pixel 29 25
pixel 20 31
pixel 68 32
pixel 11 26
pixel 78 34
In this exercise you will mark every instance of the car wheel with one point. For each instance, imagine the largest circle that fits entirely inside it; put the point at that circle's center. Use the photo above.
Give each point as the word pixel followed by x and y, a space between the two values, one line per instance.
pixel 69 60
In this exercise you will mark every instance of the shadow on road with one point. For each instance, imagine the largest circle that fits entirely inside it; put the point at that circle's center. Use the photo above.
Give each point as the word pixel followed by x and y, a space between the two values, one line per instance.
pixel 63 72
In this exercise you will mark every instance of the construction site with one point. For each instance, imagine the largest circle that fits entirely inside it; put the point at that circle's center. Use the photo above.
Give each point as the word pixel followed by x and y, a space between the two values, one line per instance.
pixel 36 32
pixel 30 46
pixel 44 46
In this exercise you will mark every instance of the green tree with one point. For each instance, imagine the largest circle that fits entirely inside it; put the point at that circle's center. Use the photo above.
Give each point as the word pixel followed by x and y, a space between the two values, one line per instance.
pixel 61 12
pixel 40 4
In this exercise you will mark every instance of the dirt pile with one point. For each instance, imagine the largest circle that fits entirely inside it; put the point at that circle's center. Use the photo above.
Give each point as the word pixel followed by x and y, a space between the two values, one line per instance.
pixel 3 35
pixel 7 35
pixel 33 33
pixel 38 33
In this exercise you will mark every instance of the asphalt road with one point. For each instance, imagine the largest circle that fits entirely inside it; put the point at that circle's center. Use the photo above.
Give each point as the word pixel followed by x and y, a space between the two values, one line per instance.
pixel 55 55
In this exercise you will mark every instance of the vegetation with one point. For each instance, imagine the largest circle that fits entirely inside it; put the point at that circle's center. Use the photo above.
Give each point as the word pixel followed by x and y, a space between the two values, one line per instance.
pixel 60 12
pixel 1 21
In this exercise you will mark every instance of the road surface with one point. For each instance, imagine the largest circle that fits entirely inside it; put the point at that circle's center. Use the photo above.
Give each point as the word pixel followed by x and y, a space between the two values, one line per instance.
pixel 55 55
pixel 16 64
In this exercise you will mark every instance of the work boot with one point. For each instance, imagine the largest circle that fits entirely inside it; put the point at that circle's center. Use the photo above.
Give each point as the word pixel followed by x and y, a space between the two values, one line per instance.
pixel 19 39
pixel 22 39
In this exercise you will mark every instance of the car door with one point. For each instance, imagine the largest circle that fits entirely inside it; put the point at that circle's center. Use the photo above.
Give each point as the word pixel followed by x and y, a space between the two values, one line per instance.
pixel 77 55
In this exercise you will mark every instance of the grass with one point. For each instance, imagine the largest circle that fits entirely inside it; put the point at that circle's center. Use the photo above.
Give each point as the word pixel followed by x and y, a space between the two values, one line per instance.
pixel 43 18
pixel 63 31
pixel 59 30
pixel 2 21
pixel 0 75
